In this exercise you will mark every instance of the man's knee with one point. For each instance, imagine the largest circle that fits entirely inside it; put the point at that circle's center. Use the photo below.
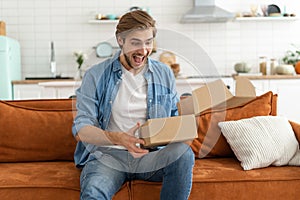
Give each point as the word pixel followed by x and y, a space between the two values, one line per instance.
pixel 187 159
pixel 100 184
pixel 184 152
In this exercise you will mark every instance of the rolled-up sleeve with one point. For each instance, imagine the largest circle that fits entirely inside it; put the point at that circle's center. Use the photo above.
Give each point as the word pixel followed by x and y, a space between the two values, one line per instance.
pixel 86 104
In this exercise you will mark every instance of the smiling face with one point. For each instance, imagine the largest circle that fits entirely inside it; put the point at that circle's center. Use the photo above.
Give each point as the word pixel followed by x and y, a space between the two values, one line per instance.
pixel 136 47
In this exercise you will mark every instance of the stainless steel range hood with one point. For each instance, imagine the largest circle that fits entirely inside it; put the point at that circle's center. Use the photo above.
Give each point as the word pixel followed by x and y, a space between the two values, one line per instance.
pixel 206 11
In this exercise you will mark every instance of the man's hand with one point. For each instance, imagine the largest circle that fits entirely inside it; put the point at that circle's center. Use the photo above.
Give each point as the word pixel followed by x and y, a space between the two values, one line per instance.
pixel 131 143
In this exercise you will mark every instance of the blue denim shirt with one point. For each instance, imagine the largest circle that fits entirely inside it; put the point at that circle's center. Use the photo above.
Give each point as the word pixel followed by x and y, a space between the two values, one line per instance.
pixel 99 89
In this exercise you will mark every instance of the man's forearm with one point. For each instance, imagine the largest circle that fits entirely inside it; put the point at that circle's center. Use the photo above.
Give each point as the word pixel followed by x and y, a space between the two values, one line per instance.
pixel 96 136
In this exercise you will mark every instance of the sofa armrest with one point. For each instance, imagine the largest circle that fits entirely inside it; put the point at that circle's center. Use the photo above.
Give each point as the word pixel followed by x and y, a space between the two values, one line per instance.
pixel 296 129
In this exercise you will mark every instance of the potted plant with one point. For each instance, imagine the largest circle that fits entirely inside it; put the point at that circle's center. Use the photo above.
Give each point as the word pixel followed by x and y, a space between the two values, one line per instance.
pixel 293 58
pixel 80 57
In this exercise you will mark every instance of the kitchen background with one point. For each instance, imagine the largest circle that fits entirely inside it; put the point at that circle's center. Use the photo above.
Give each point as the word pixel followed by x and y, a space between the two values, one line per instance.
pixel 35 23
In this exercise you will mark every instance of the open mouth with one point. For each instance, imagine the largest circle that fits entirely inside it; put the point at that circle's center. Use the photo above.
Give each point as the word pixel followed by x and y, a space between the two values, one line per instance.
pixel 138 59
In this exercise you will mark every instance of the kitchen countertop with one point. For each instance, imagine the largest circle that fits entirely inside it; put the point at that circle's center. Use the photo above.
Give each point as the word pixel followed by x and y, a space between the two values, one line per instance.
pixel 36 81
pixel 60 84
pixel 268 77
pixel 253 77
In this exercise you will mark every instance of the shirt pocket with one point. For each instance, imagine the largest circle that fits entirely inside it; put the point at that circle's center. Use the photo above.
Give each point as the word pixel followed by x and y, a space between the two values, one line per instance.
pixel 161 106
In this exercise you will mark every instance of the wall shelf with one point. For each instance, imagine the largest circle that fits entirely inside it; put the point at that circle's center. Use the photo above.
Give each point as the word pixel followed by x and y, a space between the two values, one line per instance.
pixel 106 21
pixel 266 19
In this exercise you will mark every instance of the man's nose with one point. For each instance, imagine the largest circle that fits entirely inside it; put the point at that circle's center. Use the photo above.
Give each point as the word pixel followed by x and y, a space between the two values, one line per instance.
pixel 143 49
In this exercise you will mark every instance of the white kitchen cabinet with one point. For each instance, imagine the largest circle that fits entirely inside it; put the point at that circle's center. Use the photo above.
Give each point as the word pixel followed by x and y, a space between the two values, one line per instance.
pixel 288 95
pixel 59 89
pixel 45 90
pixel 26 91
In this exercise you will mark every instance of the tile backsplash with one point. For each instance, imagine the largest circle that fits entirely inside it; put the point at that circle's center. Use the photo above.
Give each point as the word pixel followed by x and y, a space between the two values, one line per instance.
pixel 35 23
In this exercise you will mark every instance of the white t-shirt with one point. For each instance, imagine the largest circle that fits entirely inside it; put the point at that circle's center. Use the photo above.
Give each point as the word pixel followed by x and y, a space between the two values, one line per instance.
pixel 130 105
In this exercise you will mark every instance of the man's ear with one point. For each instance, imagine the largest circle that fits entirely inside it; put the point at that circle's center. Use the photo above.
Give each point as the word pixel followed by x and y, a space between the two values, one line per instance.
pixel 120 41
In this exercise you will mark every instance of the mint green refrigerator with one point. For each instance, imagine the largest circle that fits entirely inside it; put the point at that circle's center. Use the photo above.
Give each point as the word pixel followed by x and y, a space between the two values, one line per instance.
pixel 10 66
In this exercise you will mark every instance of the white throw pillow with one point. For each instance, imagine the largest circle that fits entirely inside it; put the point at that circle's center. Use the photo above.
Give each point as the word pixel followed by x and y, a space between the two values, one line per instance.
pixel 262 141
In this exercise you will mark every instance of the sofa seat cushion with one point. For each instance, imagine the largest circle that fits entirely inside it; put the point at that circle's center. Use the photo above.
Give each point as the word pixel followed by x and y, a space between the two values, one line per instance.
pixel 62 175
pixel 224 178
pixel 44 180
pixel 229 170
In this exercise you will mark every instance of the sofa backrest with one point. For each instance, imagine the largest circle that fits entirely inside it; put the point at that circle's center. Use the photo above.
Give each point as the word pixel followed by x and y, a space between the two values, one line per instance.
pixel 37 130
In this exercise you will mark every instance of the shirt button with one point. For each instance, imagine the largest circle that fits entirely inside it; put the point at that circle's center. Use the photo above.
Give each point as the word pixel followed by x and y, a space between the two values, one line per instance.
pixel 110 102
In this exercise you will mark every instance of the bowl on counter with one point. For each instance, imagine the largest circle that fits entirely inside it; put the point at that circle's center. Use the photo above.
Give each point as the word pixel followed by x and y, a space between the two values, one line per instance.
pixel 242 67
pixel 285 70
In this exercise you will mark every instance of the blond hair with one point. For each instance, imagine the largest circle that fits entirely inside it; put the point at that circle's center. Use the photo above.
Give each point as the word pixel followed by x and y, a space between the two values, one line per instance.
pixel 135 20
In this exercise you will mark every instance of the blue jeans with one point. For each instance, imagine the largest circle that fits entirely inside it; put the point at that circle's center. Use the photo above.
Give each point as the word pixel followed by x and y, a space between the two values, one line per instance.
pixel 103 176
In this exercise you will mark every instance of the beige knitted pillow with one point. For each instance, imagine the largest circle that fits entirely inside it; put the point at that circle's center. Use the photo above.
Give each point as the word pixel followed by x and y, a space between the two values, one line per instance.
pixel 262 141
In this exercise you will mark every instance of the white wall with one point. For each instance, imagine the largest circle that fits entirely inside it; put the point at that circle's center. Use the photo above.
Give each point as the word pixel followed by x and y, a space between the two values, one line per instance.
pixel 37 22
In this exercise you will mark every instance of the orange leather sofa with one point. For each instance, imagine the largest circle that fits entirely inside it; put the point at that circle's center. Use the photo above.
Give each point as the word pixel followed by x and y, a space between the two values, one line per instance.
pixel 37 146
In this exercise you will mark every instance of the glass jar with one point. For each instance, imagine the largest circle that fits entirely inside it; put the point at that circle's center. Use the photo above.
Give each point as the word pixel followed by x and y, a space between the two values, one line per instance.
pixel 273 65
pixel 263 65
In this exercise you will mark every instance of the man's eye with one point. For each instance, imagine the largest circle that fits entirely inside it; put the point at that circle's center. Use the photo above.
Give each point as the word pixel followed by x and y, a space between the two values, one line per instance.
pixel 136 43
pixel 148 43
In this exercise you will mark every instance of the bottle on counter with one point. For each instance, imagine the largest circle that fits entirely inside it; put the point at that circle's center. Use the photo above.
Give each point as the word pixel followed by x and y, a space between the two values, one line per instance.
pixel 263 65
pixel 273 65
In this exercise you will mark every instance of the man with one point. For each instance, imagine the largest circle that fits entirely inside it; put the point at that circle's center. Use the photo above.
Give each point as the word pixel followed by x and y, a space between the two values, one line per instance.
pixel 115 97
